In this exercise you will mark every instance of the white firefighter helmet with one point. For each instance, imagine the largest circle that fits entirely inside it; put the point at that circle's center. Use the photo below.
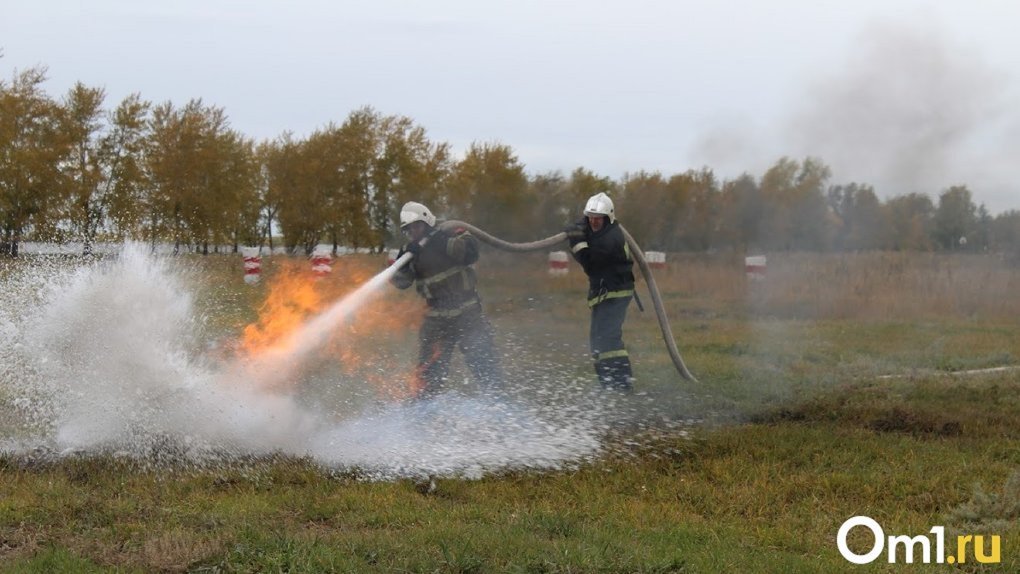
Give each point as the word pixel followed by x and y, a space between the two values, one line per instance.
pixel 414 211
pixel 600 204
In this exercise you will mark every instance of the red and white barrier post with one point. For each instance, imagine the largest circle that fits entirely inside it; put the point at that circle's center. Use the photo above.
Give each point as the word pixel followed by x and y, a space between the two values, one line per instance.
pixel 656 259
pixel 754 266
pixel 322 261
pixel 559 263
pixel 252 264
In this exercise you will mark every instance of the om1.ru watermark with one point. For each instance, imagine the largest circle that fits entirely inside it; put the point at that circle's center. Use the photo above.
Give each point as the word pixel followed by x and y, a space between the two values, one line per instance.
pixel 966 545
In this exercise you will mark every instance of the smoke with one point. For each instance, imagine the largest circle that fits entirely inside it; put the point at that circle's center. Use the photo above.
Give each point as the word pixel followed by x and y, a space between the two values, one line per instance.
pixel 909 109
pixel 110 358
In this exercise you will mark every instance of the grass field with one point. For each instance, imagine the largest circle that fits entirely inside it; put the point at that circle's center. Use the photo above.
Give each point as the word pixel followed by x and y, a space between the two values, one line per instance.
pixel 838 386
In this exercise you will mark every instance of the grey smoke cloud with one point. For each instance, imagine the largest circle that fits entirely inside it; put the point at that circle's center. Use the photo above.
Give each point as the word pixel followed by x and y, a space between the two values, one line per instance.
pixel 909 109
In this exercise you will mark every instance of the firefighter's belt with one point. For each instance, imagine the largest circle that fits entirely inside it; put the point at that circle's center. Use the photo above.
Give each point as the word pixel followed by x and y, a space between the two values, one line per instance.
pixel 425 282
pixel 454 312
pixel 609 295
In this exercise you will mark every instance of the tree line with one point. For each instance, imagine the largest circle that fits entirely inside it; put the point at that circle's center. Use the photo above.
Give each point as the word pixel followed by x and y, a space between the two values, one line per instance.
pixel 73 170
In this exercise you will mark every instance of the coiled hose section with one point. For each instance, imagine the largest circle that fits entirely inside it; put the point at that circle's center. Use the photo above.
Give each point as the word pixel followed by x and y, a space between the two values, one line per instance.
pixel 639 256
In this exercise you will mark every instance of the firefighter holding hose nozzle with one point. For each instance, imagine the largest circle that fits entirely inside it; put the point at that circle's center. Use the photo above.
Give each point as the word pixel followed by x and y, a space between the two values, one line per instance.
pixel 599 245
pixel 442 273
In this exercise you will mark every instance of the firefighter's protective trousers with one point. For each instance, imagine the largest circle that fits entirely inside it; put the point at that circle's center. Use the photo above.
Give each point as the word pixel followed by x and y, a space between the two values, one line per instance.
pixel 612 364
pixel 443 276
pixel 469 331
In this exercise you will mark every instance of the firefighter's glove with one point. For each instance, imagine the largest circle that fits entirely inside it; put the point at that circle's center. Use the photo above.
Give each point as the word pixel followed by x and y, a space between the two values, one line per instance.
pixel 413 247
pixel 575 231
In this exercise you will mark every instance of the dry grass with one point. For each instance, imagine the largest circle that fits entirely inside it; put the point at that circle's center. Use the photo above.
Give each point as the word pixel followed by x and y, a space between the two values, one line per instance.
pixel 176 549
pixel 889 286
pixel 861 286
pixel 866 286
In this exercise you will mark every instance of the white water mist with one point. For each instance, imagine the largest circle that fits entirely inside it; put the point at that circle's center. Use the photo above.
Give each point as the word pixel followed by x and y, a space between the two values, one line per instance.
pixel 109 358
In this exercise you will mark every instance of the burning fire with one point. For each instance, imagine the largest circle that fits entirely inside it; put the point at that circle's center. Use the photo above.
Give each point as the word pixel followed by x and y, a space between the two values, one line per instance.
pixel 292 298
pixel 358 346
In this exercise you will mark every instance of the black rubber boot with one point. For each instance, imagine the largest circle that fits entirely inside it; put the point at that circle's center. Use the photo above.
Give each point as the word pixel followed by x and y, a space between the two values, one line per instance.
pixel 615 374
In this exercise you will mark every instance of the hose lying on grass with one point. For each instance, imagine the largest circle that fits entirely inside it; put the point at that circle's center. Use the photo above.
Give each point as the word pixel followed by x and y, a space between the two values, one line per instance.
pixel 653 289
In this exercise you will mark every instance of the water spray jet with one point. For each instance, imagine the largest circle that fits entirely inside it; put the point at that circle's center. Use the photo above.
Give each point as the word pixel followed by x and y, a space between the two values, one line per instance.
pixel 274 365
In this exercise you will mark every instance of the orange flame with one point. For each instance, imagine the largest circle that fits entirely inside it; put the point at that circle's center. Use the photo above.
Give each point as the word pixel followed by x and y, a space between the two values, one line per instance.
pixel 291 300
pixel 362 346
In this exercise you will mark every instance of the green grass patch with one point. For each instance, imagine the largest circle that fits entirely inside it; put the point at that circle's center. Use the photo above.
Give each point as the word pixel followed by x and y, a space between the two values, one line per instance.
pixel 767 496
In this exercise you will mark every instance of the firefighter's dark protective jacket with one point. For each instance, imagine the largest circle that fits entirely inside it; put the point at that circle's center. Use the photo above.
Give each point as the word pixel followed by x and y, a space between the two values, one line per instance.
pixel 442 272
pixel 605 258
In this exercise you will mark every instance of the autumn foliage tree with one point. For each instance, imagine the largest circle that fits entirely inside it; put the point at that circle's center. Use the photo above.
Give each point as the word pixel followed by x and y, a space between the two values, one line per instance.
pixel 858 217
pixel 955 218
pixel 741 212
pixel 32 150
pixel 490 189
pixel 102 173
pixel 408 167
pixel 344 184
pixel 201 178
pixel 71 170
pixel 796 214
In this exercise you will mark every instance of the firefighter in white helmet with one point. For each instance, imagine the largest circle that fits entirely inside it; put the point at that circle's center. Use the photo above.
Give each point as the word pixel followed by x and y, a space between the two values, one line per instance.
pixel 442 274
pixel 598 244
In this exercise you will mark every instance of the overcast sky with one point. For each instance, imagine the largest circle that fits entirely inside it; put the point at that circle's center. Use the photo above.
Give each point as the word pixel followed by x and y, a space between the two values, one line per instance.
pixel 904 95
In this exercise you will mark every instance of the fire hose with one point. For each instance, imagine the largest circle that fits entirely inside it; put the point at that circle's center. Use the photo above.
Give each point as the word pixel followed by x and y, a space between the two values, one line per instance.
pixel 639 256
